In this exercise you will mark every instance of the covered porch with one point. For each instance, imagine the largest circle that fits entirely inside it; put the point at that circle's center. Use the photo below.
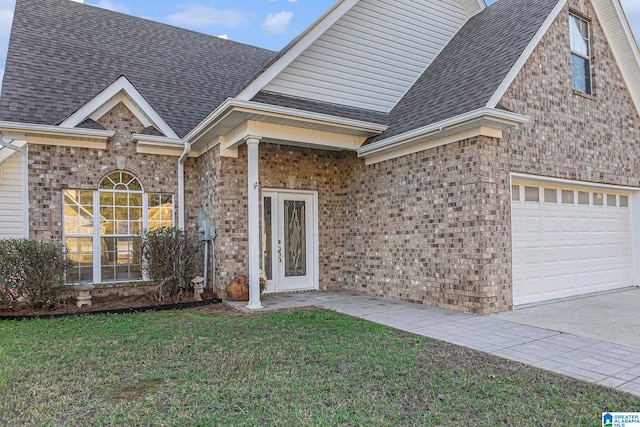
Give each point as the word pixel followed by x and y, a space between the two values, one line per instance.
pixel 279 193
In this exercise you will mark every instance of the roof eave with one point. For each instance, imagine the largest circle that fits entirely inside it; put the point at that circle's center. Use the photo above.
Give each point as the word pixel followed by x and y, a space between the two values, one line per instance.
pixel 231 106
pixel 38 129
pixel 486 118
pixel 161 145
pixel 623 44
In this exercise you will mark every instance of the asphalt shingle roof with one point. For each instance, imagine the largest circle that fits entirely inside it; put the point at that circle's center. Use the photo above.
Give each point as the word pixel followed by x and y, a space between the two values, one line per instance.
pixel 90 124
pixel 469 70
pixel 321 107
pixel 63 53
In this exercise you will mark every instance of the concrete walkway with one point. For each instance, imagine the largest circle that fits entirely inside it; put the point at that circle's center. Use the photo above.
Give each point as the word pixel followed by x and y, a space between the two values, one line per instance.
pixel 612 317
pixel 593 360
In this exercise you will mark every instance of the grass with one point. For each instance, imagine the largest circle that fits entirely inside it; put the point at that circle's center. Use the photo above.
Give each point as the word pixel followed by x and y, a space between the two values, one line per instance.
pixel 306 368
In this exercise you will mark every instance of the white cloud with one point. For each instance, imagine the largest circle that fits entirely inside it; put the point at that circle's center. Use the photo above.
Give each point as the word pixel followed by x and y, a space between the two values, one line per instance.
pixel 224 36
pixel 277 23
pixel 116 7
pixel 196 15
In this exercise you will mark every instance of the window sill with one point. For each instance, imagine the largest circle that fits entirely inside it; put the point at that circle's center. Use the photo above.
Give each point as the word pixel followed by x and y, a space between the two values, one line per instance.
pixel 584 95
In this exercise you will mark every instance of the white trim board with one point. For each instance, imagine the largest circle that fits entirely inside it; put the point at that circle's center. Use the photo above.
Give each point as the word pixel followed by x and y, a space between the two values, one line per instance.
pixel 481 122
pixel 308 37
pixel 120 90
pixel 522 177
pixel 622 42
pixel 517 67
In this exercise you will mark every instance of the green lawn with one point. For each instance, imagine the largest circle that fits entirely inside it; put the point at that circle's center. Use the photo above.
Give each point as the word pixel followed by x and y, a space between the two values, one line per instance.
pixel 306 368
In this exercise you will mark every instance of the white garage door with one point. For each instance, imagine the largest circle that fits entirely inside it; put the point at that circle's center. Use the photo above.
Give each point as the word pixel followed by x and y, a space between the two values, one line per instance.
pixel 569 241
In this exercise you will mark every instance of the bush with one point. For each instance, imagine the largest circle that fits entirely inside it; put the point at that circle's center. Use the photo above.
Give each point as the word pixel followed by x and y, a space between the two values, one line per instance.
pixel 171 258
pixel 8 296
pixel 34 270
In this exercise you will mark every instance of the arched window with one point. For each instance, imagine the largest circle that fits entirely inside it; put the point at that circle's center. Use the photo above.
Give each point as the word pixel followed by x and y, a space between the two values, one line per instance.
pixel 100 227
pixel 120 220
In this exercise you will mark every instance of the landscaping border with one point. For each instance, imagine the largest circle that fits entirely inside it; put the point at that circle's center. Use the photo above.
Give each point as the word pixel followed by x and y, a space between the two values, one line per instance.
pixel 141 309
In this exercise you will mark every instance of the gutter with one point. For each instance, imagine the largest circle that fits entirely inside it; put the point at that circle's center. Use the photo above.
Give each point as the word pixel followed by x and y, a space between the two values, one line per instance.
pixel 498 118
pixel 25 181
pixel 55 130
pixel 231 104
pixel 181 160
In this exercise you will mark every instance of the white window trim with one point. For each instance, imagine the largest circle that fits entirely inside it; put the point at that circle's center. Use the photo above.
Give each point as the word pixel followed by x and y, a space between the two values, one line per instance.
pixel 586 58
pixel 96 236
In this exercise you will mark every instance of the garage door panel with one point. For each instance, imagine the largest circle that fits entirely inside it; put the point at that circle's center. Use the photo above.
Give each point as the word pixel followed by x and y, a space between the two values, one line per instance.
pixel 562 250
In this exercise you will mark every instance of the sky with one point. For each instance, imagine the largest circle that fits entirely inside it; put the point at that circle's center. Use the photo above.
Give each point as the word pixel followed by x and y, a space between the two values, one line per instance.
pixel 270 24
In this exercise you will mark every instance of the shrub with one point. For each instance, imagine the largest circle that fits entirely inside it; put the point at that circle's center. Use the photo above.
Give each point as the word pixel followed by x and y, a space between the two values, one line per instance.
pixel 170 258
pixel 8 296
pixel 35 270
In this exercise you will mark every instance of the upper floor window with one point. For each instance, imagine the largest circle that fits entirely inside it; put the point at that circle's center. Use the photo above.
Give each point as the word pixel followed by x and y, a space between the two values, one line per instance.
pixel 580 54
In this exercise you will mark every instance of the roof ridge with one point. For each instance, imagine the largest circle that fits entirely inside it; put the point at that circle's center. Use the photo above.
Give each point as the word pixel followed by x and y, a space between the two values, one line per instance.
pixel 123 14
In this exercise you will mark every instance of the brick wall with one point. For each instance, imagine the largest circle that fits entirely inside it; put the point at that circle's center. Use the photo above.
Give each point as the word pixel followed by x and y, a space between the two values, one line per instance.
pixel 423 227
pixel 435 227
pixel 573 136
pixel 53 169
pixel 281 167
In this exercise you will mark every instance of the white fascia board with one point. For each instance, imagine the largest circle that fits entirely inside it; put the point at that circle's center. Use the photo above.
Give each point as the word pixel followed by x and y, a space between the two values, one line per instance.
pixel 629 68
pixel 122 84
pixel 138 137
pixel 307 39
pixel 55 130
pixel 154 144
pixel 232 104
pixel 473 7
pixel 517 67
pixel 502 119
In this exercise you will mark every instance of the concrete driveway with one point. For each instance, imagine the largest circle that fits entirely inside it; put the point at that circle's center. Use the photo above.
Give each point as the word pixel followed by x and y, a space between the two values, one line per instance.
pixel 613 317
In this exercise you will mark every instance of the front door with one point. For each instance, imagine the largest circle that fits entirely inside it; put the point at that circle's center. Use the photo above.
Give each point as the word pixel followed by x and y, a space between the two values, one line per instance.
pixel 289 240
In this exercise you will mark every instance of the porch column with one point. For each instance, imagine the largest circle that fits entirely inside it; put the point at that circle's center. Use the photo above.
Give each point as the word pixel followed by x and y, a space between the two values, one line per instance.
pixel 254 224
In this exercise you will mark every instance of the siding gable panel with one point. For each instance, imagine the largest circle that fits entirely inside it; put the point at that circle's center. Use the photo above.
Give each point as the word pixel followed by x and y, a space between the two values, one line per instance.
pixel 11 210
pixel 373 54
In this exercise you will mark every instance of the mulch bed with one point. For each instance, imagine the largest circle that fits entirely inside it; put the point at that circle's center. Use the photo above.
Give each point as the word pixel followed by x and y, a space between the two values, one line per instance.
pixel 110 304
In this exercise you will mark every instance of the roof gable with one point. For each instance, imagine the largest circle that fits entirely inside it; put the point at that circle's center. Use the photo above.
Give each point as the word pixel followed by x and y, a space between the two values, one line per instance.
pixel 365 54
pixel 472 66
pixel 622 42
pixel 62 54
pixel 619 36
pixel 120 91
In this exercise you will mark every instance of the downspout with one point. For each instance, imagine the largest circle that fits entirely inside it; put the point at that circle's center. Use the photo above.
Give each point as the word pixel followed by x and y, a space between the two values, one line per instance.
pixel 183 158
pixel 25 180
